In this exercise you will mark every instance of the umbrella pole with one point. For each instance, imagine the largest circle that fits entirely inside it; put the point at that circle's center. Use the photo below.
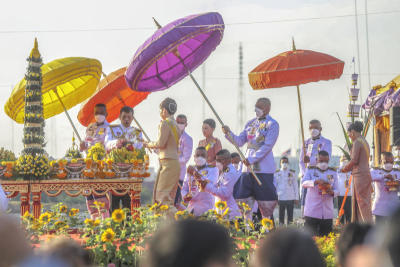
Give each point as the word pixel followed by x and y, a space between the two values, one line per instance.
pixel 141 129
pixel 69 118
pixel 219 119
pixel 301 118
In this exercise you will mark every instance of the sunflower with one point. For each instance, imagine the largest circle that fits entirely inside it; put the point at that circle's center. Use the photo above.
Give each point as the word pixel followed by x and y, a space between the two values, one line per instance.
pixel 155 206
pixel 179 214
pixel 244 206
pixel 27 216
pixel 88 221
pixel 99 204
pixel 63 209
pixel 45 218
pixel 108 235
pixel 73 212
pixel 164 207
pixel 221 205
pixel 251 224
pixel 96 222
pixel 138 220
pixel 118 215
pixel 268 224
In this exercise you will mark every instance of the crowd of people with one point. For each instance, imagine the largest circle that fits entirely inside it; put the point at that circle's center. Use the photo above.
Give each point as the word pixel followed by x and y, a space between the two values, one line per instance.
pixel 219 175
pixel 199 243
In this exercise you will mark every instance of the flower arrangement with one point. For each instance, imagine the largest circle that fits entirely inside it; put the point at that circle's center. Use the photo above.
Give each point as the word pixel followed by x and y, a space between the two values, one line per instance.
pixel 327 246
pixel 96 152
pixel 33 166
pixel 6 155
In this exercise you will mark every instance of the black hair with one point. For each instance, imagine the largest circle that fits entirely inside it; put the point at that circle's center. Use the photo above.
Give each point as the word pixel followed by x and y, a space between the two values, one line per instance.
pixel 356 126
pixel 201 148
pixel 182 116
pixel 288 247
pixel 391 238
pixel 191 243
pixel 314 121
pixel 387 154
pixel 323 153
pixel 234 155
pixel 353 234
pixel 170 105
pixel 284 157
pixel 100 105
pixel 224 152
pixel 210 122
pixel 126 109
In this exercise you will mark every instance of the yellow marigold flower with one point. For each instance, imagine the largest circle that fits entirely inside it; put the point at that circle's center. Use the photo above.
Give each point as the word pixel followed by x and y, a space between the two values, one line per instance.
pixel 221 205
pixel 108 235
pixel 73 212
pixel 164 207
pixel 63 208
pixel 118 215
pixel 267 223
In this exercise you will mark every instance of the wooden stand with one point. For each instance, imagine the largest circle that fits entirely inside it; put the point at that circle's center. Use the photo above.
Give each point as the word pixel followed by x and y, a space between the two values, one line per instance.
pixel 73 188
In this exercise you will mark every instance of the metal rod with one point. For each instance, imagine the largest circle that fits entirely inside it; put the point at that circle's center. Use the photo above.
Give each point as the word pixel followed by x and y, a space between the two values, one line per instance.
pixel 301 119
pixel 220 121
pixel 69 118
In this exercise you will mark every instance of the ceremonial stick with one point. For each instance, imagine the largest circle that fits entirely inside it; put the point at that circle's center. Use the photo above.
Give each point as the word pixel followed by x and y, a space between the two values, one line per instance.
pixel 69 118
pixel 301 119
pixel 341 211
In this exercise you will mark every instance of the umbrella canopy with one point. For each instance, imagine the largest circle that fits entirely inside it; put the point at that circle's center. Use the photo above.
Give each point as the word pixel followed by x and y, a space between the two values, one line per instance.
pixel 71 79
pixel 115 94
pixel 293 68
pixel 156 66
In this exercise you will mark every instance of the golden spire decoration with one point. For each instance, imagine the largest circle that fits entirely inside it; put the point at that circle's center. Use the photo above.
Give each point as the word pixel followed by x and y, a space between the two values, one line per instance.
pixel 157 24
pixel 35 51
pixel 293 45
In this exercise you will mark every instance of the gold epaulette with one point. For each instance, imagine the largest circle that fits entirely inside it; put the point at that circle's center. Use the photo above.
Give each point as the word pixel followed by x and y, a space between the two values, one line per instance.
pixel 292 170
pixel 277 170
pixel 332 168
pixel 395 169
pixel 377 168
pixel 312 168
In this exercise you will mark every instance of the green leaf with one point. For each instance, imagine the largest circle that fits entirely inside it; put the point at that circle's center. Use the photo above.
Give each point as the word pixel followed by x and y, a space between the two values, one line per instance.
pixel 345 153
pixel 346 136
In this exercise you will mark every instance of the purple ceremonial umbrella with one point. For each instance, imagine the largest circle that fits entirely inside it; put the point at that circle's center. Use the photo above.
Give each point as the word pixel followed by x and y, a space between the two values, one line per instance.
pixel 173 51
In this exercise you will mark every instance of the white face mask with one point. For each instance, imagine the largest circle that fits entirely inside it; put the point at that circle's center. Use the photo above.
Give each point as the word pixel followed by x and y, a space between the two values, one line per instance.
pixel 388 166
pixel 200 161
pixel 181 126
pixel 99 118
pixel 219 166
pixel 284 166
pixel 236 165
pixel 322 165
pixel 259 112
pixel 314 133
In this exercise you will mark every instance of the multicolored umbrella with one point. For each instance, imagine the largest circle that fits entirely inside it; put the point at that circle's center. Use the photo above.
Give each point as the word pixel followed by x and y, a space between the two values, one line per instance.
pixel 173 52
pixel 66 83
pixel 115 94
pixel 293 68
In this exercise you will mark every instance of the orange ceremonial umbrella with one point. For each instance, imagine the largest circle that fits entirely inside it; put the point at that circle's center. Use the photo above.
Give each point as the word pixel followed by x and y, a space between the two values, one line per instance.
pixel 293 68
pixel 114 92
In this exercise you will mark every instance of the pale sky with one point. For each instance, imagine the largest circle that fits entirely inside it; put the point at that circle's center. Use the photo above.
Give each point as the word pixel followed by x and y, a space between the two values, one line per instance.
pixel 55 24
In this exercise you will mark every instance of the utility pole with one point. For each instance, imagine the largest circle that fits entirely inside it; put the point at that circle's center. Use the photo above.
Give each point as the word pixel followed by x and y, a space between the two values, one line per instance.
pixel 241 103
pixel 203 70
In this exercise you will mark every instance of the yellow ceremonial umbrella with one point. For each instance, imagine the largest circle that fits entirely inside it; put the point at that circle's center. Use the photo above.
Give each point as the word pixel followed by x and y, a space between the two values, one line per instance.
pixel 66 83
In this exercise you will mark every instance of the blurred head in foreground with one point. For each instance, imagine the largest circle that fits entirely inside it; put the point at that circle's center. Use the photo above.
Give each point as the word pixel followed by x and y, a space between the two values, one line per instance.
pixel 288 247
pixel 190 243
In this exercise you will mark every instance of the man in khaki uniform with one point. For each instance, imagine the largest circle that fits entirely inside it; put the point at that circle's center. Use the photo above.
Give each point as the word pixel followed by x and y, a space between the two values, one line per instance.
pixel 167 144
